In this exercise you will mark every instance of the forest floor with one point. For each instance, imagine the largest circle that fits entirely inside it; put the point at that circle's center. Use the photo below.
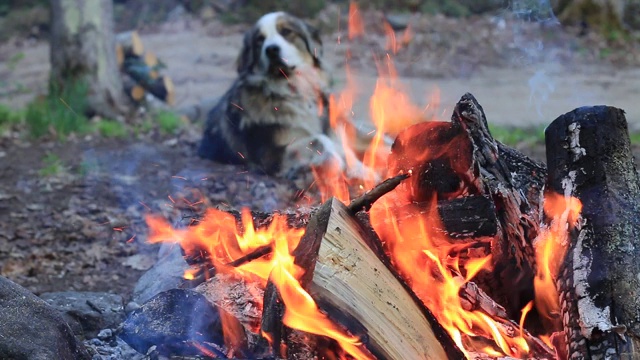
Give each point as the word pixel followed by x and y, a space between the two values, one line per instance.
pixel 73 211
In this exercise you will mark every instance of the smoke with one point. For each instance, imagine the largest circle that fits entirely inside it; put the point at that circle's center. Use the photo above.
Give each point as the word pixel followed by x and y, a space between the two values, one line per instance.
pixel 532 19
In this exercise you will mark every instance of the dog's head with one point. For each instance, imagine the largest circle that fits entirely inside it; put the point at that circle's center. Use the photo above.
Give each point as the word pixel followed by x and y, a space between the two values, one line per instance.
pixel 278 44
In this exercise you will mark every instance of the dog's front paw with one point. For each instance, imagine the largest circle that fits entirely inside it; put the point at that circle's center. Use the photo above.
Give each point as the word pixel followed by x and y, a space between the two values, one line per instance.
pixel 312 158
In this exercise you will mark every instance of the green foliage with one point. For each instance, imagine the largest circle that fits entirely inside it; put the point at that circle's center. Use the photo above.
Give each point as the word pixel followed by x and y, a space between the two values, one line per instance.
pixel 111 128
pixel 512 136
pixel 9 116
pixel 635 138
pixel 168 122
pixel 52 165
pixel 62 111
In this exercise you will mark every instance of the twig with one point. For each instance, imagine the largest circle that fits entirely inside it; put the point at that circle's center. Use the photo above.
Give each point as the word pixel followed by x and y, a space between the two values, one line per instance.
pixel 365 201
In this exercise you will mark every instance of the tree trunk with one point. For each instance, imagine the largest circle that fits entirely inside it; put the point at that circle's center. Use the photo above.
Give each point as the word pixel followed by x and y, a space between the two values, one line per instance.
pixel 83 51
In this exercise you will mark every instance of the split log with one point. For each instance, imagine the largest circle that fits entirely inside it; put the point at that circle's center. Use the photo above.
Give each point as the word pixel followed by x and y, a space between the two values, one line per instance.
pixel 589 157
pixel 458 159
pixel 128 44
pixel 353 282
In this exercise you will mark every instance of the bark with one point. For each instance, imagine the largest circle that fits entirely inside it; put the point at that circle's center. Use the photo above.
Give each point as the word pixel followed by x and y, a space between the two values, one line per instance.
pixel 589 157
pixel 83 51
pixel 459 161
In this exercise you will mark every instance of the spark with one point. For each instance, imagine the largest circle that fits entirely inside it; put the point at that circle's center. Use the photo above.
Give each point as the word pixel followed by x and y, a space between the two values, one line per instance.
pixel 425 109
pixel 239 153
pixel 283 74
pixel 204 179
pixel 276 108
pixel 145 205
pixel 171 199
pixel 131 239
pixel 371 132
pixel 179 177
pixel 119 228
pixel 238 106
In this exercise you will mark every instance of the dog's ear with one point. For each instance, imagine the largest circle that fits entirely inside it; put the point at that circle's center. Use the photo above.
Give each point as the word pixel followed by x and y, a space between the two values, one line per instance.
pixel 315 40
pixel 246 59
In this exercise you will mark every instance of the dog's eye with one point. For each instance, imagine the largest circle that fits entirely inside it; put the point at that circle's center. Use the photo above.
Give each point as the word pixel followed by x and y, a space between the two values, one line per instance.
pixel 260 39
pixel 285 32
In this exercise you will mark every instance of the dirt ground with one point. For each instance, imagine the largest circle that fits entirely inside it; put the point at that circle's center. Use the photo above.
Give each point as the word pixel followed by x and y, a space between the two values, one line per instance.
pixel 81 226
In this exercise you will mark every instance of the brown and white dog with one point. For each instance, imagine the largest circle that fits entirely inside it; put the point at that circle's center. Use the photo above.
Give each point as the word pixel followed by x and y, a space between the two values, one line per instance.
pixel 275 115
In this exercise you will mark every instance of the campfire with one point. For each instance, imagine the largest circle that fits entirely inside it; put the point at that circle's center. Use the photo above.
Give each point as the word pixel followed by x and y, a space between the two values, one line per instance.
pixel 469 249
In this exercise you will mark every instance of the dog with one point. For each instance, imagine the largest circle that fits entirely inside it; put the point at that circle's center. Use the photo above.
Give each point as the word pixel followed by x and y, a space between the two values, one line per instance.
pixel 274 117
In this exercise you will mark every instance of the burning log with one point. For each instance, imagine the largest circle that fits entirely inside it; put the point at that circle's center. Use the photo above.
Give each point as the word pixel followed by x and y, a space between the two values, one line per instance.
pixel 460 161
pixel 589 157
pixel 347 273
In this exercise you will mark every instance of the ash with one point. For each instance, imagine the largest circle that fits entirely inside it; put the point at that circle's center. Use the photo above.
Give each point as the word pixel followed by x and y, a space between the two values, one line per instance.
pixel 107 346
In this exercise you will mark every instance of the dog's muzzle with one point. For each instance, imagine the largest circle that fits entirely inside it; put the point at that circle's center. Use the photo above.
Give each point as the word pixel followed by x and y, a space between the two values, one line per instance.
pixel 277 64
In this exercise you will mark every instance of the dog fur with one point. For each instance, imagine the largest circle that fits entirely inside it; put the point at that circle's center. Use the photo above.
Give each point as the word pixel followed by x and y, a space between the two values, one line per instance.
pixel 275 115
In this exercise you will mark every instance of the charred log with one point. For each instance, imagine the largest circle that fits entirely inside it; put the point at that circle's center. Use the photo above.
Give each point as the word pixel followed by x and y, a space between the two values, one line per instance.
pixel 459 160
pixel 589 157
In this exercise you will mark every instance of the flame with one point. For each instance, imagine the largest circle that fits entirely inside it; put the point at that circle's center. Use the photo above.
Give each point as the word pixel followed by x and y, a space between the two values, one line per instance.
pixel 301 311
pixel 431 265
pixel 218 239
pixel 356 26
pixel 551 246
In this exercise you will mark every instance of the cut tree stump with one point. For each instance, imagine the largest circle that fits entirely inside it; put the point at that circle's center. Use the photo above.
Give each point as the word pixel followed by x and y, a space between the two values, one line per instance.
pixel 352 281
pixel 589 157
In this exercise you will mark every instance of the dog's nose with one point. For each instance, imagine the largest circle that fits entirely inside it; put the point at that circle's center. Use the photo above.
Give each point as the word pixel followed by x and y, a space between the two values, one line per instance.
pixel 273 51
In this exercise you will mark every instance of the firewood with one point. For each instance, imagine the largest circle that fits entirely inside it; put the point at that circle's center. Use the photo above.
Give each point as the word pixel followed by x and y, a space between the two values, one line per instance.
pixel 163 89
pixel 589 157
pixel 460 159
pixel 354 284
pixel 150 59
pixel 130 44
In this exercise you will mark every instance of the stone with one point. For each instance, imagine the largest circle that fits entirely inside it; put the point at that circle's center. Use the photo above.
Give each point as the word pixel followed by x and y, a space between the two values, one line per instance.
pixel 174 320
pixel 88 312
pixel 31 329
pixel 166 274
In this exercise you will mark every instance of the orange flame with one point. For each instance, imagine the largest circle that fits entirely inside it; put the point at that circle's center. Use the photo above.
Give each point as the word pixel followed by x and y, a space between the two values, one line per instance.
pixel 431 265
pixel 301 312
pixel 551 246
pixel 356 26
pixel 218 239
